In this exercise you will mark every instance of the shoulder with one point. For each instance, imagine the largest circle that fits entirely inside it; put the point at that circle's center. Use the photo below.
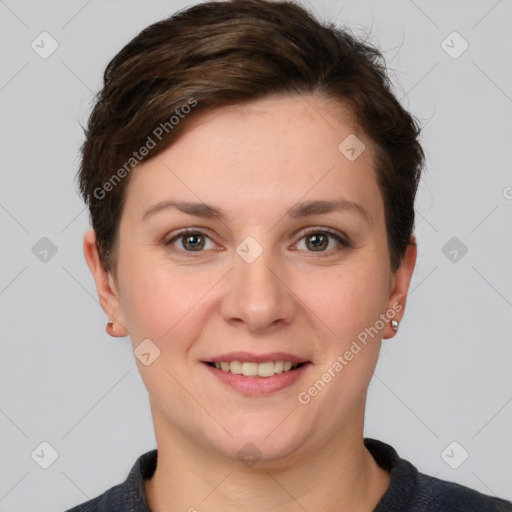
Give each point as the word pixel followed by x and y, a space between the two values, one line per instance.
pixel 103 503
pixel 439 495
pixel 129 495
pixel 417 492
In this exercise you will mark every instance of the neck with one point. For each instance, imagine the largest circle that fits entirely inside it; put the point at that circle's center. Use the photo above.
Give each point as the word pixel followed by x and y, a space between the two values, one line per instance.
pixel 339 476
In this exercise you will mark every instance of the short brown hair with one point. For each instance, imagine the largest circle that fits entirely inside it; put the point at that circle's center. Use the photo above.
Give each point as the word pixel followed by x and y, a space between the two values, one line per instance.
pixel 226 52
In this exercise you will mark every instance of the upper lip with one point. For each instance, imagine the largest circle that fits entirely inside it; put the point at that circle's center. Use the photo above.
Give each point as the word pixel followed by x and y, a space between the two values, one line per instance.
pixel 249 357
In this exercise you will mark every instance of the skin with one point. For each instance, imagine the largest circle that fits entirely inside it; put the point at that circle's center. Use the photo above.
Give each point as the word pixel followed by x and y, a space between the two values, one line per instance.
pixel 255 161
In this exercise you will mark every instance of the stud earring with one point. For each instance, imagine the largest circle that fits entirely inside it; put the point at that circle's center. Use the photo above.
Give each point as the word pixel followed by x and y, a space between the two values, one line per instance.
pixel 394 325
pixel 111 325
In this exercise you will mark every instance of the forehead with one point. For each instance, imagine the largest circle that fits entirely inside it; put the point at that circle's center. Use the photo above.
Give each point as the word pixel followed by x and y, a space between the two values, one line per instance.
pixel 274 150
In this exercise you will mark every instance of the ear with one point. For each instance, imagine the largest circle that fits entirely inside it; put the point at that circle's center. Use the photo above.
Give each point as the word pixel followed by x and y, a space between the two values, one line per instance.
pixel 400 285
pixel 106 287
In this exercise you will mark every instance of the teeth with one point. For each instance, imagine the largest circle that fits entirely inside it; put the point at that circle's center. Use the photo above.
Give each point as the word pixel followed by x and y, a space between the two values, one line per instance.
pixel 278 367
pixel 235 367
pixel 266 369
pixel 250 369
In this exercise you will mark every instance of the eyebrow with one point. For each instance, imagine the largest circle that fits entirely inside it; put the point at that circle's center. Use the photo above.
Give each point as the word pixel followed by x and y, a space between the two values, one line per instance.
pixel 299 210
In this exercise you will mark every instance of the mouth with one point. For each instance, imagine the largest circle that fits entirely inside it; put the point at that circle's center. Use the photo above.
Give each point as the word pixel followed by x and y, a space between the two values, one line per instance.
pixel 264 369
pixel 252 374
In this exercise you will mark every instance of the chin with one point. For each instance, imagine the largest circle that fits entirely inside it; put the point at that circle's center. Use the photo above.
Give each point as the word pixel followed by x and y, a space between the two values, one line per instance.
pixel 263 443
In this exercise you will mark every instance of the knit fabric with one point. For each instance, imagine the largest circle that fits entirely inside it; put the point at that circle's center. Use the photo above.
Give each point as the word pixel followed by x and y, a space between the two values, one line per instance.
pixel 409 490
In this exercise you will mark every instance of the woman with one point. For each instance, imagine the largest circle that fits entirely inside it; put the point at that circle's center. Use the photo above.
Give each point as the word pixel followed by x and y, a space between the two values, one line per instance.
pixel 251 183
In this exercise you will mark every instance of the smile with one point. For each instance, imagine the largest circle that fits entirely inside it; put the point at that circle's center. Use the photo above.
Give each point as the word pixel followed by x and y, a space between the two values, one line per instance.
pixel 251 369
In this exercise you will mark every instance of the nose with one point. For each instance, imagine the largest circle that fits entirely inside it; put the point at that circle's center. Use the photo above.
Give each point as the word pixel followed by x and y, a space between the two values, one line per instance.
pixel 257 295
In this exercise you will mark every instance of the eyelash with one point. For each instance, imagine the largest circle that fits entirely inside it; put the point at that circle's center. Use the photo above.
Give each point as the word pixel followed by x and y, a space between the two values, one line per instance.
pixel 344 243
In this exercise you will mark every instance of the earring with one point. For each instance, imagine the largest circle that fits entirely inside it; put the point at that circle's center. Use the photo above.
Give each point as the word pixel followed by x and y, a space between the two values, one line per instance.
pixel 111 325
pixel 394 324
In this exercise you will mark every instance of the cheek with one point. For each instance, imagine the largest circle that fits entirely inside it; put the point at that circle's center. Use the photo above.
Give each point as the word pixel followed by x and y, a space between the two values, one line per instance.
pixel 160 302
pixel 348 299
pixel 346 305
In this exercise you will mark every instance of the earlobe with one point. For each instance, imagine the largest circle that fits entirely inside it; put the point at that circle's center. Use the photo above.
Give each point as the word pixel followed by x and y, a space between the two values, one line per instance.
pixel 400 286
pixel 107 292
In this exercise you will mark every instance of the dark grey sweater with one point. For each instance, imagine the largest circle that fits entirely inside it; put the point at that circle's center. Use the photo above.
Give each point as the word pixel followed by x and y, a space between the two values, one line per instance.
pixel 409 490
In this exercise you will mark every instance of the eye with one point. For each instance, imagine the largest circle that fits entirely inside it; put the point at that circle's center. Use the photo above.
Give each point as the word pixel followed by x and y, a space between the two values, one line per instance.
pixel 320 240
pixel 189 240
pixel 315 240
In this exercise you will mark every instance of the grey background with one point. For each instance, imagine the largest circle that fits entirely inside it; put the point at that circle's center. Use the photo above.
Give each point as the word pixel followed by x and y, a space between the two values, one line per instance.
pixel 445 377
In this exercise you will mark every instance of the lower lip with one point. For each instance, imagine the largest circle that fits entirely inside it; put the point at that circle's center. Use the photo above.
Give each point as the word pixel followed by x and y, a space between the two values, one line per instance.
pixel 258 385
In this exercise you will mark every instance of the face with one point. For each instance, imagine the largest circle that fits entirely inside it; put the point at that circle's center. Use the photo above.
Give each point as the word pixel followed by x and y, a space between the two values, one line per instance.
pixel 284 260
